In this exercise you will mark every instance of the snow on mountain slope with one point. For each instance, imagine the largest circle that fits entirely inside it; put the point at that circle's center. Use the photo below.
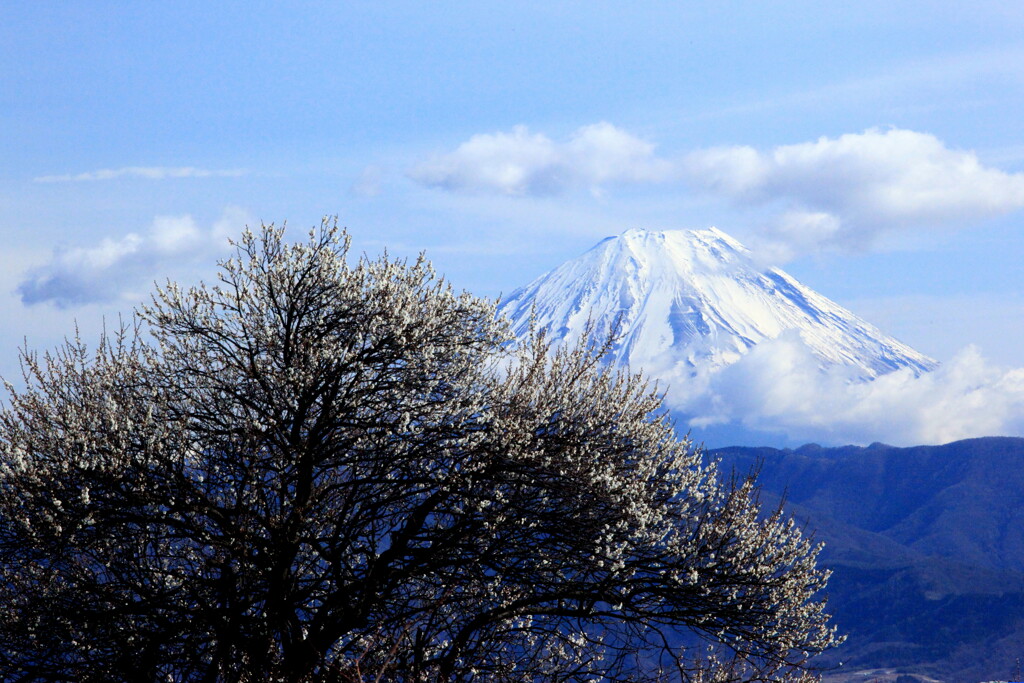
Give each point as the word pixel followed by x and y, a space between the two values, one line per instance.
pixel 693 302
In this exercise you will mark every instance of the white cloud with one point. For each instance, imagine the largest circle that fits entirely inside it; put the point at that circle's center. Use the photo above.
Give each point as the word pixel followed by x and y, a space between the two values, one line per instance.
pixel 118 268
pixel 146 172
pixel 601 153
pixel 739 172
pixel 170 235
pixel 845 192
pixel 842 194
pixel 795 233
pixel 525 163
pixel 779 387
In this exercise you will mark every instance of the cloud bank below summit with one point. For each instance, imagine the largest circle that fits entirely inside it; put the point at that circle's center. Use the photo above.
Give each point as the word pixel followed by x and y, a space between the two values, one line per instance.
pixel 779 387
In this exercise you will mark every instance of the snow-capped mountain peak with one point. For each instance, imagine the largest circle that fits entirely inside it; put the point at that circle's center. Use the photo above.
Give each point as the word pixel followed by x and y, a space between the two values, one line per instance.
pixel 694 301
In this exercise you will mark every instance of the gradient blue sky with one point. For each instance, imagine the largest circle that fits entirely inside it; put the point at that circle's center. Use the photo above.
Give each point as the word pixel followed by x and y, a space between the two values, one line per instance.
pixel 879 146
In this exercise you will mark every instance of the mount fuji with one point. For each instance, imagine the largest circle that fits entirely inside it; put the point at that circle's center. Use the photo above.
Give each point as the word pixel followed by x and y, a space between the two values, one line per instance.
pixel 689 303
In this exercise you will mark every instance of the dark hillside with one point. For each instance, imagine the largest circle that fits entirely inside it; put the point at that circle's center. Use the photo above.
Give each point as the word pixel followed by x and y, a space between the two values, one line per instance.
pixel 927 546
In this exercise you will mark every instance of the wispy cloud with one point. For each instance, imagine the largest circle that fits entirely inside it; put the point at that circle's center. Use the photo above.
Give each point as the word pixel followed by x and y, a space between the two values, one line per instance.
pixel 909 84
pixel 844 193
pixel 146 172
pixel 524 163
pixel 117 268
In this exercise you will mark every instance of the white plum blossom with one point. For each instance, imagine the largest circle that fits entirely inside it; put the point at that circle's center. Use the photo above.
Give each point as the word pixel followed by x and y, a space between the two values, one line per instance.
pixel 321 471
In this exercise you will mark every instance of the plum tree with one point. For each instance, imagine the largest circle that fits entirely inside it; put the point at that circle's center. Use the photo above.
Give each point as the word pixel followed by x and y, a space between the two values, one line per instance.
pixel 321 471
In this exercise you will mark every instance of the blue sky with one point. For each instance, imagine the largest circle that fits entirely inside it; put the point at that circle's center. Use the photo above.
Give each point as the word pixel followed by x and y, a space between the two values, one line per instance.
pixel 875 151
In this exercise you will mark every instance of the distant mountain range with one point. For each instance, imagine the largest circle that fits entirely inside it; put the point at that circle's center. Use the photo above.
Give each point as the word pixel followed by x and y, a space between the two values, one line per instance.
pixel 926 545
pixel 690 302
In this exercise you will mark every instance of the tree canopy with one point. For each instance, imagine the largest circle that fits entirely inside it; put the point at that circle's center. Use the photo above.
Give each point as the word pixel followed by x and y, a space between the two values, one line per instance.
pixel 316 470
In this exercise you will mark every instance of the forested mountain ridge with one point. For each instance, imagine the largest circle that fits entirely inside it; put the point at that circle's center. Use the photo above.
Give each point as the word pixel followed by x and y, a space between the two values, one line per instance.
pixel 926 544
